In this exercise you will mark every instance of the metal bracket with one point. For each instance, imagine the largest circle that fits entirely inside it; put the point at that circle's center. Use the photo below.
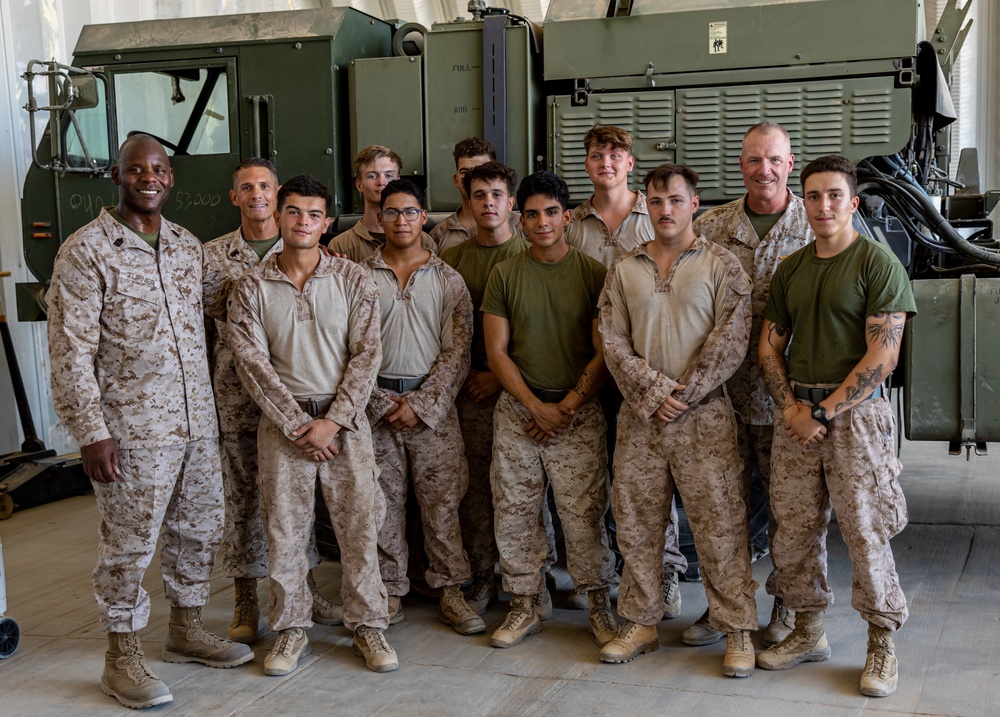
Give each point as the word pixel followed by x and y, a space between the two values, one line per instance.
pixel 581 90
pixel 949 35
pixel 967 359
pixel 495 84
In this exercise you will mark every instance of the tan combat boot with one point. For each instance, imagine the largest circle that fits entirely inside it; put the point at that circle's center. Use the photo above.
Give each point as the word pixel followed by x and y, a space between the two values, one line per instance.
pixel 126 676
pixel 522 620
pixel 456 612
pixel 245 626
pixel 781 625
pixel 283 658
pixel 370 643
pixel 395 609
pixel 324 610
pixel 881 669
pixel 739 658
pixel 702 633
pixel 542 602
pixel 671 595
pixel 189 641
pixel 602 623
pixel 482 591
pixel 806 643
pixel 632 640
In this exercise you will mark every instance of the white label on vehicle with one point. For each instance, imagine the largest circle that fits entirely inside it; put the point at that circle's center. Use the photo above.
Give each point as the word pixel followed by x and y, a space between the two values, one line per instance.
pixel 717 38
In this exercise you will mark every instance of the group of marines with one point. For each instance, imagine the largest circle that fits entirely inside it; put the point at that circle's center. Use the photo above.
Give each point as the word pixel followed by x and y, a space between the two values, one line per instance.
pixel 485 363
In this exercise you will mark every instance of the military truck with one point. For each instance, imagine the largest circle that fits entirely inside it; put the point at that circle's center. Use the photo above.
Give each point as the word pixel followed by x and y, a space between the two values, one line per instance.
pixel 308 88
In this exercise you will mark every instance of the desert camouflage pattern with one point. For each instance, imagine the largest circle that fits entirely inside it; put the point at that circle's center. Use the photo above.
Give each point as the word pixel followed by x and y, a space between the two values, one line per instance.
pixel 434 458
pixel 253 363
pixel 358 244
pixel 126 330
pixel 590 234
pixel 349 484
pixel 729 227
pixel 575 464
pixel 476 510
pixel 434 401
pixel 237 410
pixel 852 471
pixel 174 490
pixel 696 454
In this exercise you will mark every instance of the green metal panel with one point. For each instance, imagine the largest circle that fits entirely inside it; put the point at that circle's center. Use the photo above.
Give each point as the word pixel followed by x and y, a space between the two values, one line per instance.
pixel 386 101
pixel 647 116
pixel 453 59
pixel 855 117
pixel 952 373
pixel 678 36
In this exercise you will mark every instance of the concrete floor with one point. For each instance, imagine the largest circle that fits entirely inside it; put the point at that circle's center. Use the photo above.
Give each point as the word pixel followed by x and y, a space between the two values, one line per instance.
pixel 948 649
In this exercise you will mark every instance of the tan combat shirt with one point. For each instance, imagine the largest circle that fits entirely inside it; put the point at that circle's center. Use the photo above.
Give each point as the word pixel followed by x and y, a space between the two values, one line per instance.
pixel 321 341
pixel 589 233
pixel 357 243
pixel 426 331
pixel 729 227
pixel 126 331
pixel 237 411
pixel 691 327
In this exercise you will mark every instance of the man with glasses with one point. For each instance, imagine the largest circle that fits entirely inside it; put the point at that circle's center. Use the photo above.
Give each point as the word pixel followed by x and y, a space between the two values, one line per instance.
pixel 374 167
pixel 426 319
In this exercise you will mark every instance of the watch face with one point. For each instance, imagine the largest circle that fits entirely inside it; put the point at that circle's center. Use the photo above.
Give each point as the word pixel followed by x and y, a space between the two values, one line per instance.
pixel 819 414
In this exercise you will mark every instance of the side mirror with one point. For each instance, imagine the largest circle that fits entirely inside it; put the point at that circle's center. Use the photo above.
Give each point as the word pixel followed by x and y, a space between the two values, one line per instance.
pixel 84 92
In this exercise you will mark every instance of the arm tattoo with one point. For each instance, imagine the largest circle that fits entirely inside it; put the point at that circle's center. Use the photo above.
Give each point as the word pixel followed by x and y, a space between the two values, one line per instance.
pixel 774 330
pixel 884 329
pixel 585 384
pixel 867 381
pixel 776 379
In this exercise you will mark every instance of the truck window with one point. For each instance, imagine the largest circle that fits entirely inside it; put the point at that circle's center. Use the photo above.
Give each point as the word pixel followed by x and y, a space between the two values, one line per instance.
pixel 187 110
pixel 85 131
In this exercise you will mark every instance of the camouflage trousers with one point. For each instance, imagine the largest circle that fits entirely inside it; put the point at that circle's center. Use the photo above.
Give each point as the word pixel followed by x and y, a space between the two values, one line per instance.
pixel 696 454
pixel 575 464
pixel 673 558
pixel 852 471
pixel 174 488
pixel 244 542
pixel 476 511
pixel 754 444
pixel 349 484
pixel 435 461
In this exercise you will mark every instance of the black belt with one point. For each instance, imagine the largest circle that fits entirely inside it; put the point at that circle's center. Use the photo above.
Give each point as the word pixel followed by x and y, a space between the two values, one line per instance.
pixel 315 406
pixel 715 393
pixel 815 394
pixel 550 395
pixel 401 385
pixel 479 365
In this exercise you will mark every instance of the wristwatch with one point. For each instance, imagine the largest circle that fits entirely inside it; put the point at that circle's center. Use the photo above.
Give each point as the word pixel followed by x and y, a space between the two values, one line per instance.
pixel 818 414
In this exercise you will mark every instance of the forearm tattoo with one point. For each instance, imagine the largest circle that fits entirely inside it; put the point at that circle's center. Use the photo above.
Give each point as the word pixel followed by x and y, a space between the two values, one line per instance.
pixel 867 381
pixel 585 384
pixel 776 380
pixel 885 329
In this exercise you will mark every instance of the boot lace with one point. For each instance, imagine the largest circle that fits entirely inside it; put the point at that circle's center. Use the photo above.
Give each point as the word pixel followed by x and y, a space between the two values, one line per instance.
pixel 739 640
pixel 454 602
pixel 134 663
pixel 374 638
pixel 671 590
pixel 286 642
pixel 199 632
pixel 879 653
pixel 481 589
pixel 520 610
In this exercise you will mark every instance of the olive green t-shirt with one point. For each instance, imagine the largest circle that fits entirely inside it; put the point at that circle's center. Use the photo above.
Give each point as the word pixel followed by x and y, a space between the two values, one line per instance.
pixel 825 303
pixel 263 246
pixel 551 309
pixel 761 223
pixel 153 238
pixel 475 262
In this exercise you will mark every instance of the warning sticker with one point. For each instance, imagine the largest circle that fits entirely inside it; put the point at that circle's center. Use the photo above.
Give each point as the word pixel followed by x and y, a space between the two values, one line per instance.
pixel 718 43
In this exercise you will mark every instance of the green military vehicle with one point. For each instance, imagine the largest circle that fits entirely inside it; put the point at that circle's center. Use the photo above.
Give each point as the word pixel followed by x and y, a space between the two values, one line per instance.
pixel 308 88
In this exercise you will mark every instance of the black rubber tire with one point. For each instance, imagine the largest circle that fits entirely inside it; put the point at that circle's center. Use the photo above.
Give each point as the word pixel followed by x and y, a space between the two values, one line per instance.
pixel 10 637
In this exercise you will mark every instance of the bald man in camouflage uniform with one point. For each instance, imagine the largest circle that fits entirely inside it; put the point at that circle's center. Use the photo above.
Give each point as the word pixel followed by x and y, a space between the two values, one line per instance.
pixel 130 379
pixel 760 228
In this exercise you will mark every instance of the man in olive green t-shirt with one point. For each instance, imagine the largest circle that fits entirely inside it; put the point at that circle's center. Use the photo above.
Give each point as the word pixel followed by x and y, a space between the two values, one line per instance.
pixel 845 300
pixel 544 347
